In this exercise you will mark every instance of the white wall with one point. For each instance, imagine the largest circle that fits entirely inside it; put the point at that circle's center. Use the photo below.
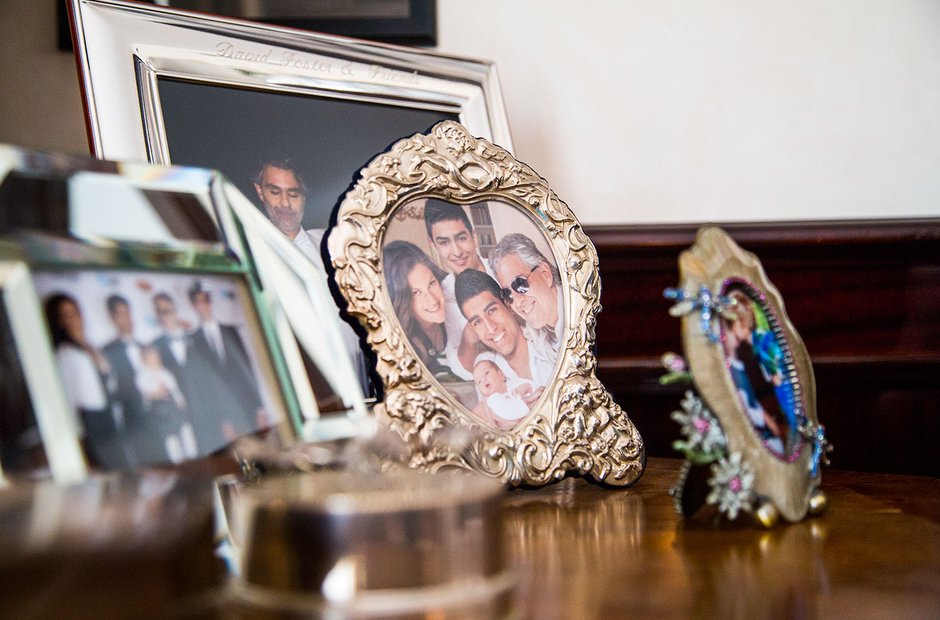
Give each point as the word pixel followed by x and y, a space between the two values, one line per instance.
pixel 693 110
pixel 40 101
pixel 651 110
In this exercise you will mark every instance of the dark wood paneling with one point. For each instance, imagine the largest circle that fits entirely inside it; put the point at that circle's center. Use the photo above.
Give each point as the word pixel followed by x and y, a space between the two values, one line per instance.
pixel 865 297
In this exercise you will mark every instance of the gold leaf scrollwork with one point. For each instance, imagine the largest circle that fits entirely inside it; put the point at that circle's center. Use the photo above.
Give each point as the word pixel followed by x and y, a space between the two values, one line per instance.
pixel 575 427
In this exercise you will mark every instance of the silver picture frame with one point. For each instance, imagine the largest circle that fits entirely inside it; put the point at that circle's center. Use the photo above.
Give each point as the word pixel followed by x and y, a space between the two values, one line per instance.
pixel 125 48
pixel 173 87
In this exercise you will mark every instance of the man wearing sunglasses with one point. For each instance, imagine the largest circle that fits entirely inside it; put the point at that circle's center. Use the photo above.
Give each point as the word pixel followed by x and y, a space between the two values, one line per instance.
pixel 531 286
pixel 451 235
pixel 497 329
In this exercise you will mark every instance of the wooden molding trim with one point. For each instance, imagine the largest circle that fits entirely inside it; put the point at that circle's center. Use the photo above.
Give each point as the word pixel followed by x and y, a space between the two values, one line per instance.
pixel 864 296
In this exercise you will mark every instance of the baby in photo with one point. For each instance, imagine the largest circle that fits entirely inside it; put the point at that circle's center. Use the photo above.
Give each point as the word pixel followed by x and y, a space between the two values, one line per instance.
pixel 166 402
pixel 502 394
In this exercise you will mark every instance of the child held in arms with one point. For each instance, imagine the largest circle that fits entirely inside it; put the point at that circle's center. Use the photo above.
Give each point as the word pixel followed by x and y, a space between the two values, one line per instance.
pixel 501 397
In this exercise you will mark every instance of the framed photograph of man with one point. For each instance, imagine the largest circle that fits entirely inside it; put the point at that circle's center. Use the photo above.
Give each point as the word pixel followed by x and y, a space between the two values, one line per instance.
pixel 288 116
pixel 449 251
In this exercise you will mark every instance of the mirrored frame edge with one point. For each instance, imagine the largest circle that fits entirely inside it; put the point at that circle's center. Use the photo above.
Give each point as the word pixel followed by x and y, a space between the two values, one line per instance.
pixel 119 64
pixel 45 390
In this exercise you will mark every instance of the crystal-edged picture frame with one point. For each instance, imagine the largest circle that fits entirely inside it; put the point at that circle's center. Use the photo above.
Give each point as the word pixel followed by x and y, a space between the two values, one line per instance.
pixel 114 276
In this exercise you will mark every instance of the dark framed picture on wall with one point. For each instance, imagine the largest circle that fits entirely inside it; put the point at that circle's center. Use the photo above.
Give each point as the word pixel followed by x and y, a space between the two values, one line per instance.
pixel 405 22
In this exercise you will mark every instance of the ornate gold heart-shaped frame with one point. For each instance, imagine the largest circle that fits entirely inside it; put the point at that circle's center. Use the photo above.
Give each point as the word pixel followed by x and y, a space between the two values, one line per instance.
pixel 572 426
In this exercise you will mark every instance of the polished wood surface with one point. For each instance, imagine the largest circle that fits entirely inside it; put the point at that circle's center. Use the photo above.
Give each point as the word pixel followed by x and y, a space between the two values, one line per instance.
pixel 864 296
pixel 142 547
pixel 582 551
pixel 111 547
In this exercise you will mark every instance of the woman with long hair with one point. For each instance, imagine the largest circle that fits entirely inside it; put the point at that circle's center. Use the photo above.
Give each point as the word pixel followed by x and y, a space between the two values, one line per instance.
pixel 85 375
pixel 414 285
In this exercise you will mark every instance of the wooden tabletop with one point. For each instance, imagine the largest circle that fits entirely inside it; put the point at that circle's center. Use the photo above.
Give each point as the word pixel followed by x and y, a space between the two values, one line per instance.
pixel 582 551
pixel 143 547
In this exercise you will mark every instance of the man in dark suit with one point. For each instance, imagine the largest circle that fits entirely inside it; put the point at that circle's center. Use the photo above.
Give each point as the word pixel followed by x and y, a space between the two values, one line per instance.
pixel 123 354
pixel 173 343
pixel 175 348
pixel 228 404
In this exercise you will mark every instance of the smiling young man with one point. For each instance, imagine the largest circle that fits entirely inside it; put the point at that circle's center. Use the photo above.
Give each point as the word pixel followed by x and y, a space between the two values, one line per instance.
pixel 496 327
pixel 531 286
pixel 451 235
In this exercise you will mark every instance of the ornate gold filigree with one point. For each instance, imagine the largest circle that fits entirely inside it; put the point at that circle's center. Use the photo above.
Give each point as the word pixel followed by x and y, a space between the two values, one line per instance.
pixel 575 427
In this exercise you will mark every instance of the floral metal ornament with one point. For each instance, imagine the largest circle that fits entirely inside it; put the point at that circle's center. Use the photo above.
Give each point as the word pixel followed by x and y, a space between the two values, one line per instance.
pixel 752 421
pixel 816 435
pixel 706 304
pixel 573 427
pixel 705 441
pixel 732 484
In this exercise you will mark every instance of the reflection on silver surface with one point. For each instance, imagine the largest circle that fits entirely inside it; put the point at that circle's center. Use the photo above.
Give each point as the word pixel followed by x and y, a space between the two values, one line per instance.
pixel 397 544
pixel 776 574
pixel 115 546
pixel 124 47
pixel 563 535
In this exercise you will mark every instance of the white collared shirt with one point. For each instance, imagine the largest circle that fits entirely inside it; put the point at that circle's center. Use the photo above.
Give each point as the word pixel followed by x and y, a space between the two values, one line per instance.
pixel 214 335
pixel 308 241
pixel 542 360
pixel 132 348
pixel 541 347
pixel 80 377
pixel 454 323
pixel 177 341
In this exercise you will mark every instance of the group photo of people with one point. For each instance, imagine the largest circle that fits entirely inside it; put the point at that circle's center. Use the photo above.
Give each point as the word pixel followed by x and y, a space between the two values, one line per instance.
pixel 158 367
pixel 478 294
pixel 754 358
